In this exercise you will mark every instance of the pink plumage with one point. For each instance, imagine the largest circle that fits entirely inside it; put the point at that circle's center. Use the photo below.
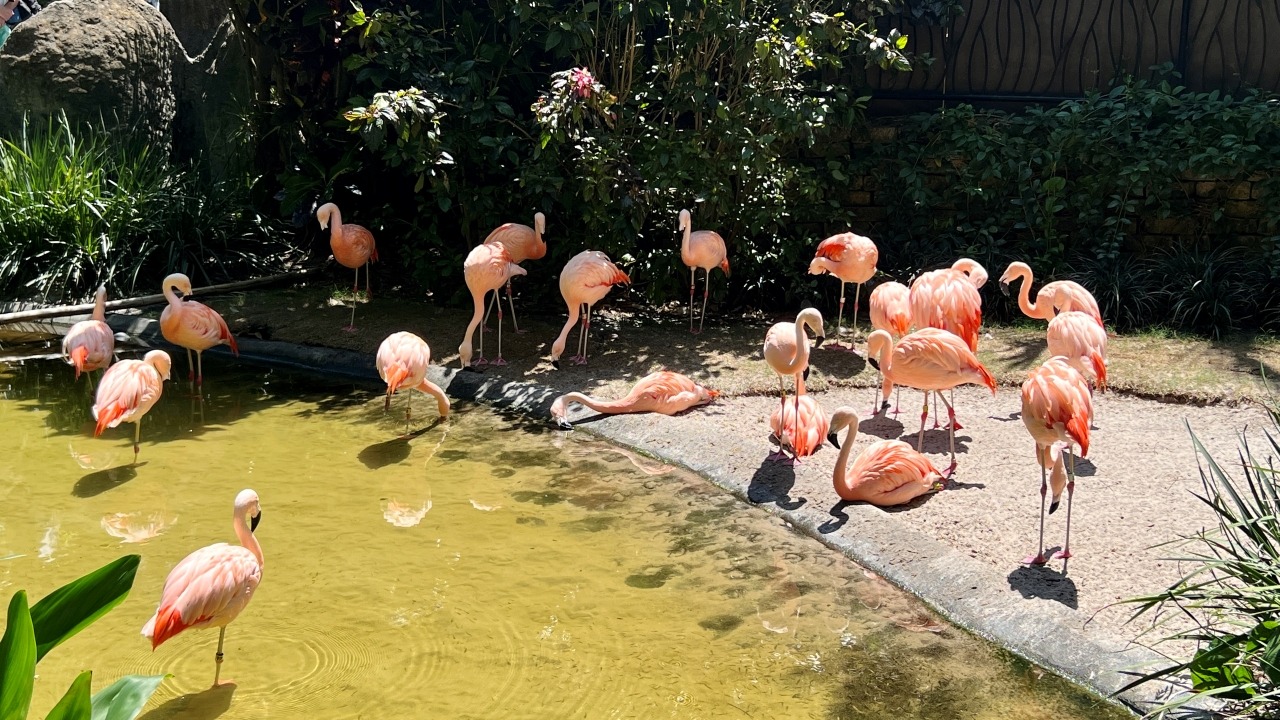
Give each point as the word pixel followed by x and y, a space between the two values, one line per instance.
pixel 521 241
pixel 487 268
pixel 662 392
pixel 890 305
pixel 703 249
pixel 1079 338
pixel 89 344
pixel 585 280
pixel 192 325
pixel 852 258
pixel 885 473
pixel 800 428
pixel 402 362
pixel 948 300
pixel 1050 294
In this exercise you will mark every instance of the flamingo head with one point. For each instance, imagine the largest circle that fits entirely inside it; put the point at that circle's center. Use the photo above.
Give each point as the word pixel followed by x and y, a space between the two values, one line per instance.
pixel 706 395
pixel 159 360
pixel 1013 272
pixel 539 223
pixel 878 344
pixel 686 221
pixel 842 418
pixel 560 413
pixel 247 504
pixel 179 284
pixel 813 318
pixel 323 214
pixel 101 294
pixel 973 270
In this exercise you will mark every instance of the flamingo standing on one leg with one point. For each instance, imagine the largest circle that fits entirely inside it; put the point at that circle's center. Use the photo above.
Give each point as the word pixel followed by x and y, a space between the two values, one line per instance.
pixel 585 280
pixel 929 360
pixel 352 247
pixel 885 473
pixel 803 431
pixel 212 585
pixel 1044 307
pixel 948 299
pixel 1079 338
pixel 703 249
pixel 1056 409
pixel 89 344
pixel 890 306
pixel 852 258
pixel 191 325
pixel 128 391
pixel 786 349
pixel 662 392
pixel 402 362
pixel 522 243
pixel 487 268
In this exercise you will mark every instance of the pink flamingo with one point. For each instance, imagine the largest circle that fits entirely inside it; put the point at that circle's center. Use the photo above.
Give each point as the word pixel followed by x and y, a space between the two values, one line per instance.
pixel 191 325
pixel 786 349
pixel 487 268
pixel 852 258
pixel 1056 409
pixel 212 585
pixel 803 431
pixel 128 391
pixel 89 344
pixel 352 247
pixel 585 280
pixel 402 362
pixel 885 473
pixel 890 306
pixel 928 360
pixel 703 249
pixel 1079 338
pixel 522 243
pixel 662 392
pixel 1043 309
pixel 948 299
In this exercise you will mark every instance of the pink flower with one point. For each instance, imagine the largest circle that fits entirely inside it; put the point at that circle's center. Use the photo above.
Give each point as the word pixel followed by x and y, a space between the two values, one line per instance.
pixel 582 82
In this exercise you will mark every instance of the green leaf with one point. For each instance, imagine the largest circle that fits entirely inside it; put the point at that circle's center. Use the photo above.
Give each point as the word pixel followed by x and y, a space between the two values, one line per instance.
pixel 17 660
pixel 124 698
pixel 67 610
pixel 76 704
pixel 1217 667
pixel 1267 634
pixel 1055 184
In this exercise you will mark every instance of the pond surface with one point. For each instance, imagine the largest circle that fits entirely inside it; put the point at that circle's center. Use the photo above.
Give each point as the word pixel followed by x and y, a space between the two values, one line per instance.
pixel 487 567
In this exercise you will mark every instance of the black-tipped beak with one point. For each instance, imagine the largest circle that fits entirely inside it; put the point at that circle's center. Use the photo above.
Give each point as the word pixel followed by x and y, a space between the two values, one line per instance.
pixel 835 441
pixel 253 521
pixel 1053 506
pixel 555 364
pixel 805 374
pixel 1004 288
pixel 874 363
pixel 817 342
pixel 564 424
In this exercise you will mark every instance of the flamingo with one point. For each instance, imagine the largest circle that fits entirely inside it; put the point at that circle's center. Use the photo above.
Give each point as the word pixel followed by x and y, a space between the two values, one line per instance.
pixel 1079 338
pixel 661 392
pixel 128 391
pixel 948 299
pixel 585 280
pixel 89 344
pixel 1043 309
pixel 928 360
pixel 703 249
pixel 1056 409
pixel 885 473
pixel 786 350
pixel 487 268
pixel 352 247
pixel 802 432
pixel 212 585
pixel 191 325
pixel 522 243
pixel 852 258
pixel 402 363
pixel 890 306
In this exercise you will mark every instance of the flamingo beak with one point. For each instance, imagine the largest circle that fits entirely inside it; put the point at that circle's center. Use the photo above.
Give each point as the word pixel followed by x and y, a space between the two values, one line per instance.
pixel 874 363
pixel 1004 288
pixel 1053 506
pixel 564 424
pixel 835 441
pixel 253 521
pixel 817 342
pixel 555 364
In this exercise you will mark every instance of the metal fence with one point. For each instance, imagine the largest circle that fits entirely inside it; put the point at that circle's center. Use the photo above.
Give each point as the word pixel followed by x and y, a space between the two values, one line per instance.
pixel 1056 49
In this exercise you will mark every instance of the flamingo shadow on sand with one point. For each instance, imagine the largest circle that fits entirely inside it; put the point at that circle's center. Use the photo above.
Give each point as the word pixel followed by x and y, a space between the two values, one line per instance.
pixel 204 705
pixel 882 426
pixel 1085 468
pixel 393 451
pixel 1045 584
pixel 838 518
pixel 772 483
pixel 937 442
pixel 100 481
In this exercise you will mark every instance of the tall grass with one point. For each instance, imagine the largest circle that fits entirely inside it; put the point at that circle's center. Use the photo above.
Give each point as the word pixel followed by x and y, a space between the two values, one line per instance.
pixel 80 206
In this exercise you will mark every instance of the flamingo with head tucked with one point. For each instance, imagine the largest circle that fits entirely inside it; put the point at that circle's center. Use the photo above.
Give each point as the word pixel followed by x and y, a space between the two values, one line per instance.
pixel 702 249
pixel 352 247
pixel 487 268
pixel 802 431
pixel 885 473
pixel 786 350
pixel 661 392
pixel 128 391
pixel 948 299
pixel 1044 308
pixel 89 344
pixel 1079 338
pixel 585 280
pixel 522 243
pixel 890 306
pixel 852 258
pixel 191 325
pixel 212 585
pixel 1056 408
pixel 402 361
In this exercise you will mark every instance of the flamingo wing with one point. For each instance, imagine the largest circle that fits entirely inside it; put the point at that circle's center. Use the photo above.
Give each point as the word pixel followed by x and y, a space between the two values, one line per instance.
pixel 120 393
pixel 519 240
pixel 891 464
pixel 209 587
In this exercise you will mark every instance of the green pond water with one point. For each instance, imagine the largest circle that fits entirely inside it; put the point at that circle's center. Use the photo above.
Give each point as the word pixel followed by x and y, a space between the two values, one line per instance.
pixel 487 567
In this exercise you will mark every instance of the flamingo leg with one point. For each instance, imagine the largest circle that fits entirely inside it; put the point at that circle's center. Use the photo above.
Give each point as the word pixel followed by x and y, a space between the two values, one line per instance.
pixel 498 360
pixel 954 425
pixel 924 415
pixel 512 302
pixel 1038 558
pixel 137 438
pixel 857 294
pixel 408 412
pixel 706 291
pixel 936 414
pixel 951 413
pixel 191 368
pixel 586 333
pixel 692 285
pixel 840 317
pixel 368 283
pixel 351 326
pixel 488 311
pixel 1065 553
pixel 480 355
pixel 217 658
pixel 896 396
pixel 199 368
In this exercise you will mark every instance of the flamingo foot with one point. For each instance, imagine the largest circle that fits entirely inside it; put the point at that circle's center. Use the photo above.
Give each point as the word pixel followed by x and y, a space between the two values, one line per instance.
pixel 1035 560
pixel 955 425
pixel 579 359
pixel 499 361
pixel 479 361
pixel 521 331
pixel 693 331
pixel 349 328
pixel 950 471
pixel 1062 555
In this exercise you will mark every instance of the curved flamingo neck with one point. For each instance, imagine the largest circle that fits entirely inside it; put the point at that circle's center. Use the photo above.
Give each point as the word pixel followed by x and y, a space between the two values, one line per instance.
pixel 100 306
pixel 575 312
pixel 442 401
pixel 842 460
pixel 886 356
pixel 335 224
pixel 688 232
pixel 477 316
pixel 173 300
pixel 246 536
pixel 1024 294
pixel 602 406
pixel 796 366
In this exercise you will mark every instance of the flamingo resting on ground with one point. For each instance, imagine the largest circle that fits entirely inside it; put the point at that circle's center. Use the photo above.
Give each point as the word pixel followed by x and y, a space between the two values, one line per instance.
pixel 1044 307
pixel 885 473
pixel 212 585
pixel 522 243
pixel 191 325
pixel 948 299
pixel 1056 408
pixel 585 280
pixel 352 247
pixel 890 306
pixel 128 390
pixel 703 249
pixel 1079 338
pixel 487 268
pixel 402 362
pixel 89 344
pixel 786 349
pixel 661 392
pixel 852 258
pixel 928 360
pixel 803 431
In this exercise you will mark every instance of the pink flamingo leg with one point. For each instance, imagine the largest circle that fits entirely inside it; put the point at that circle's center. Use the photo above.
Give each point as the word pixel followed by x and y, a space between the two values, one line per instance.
pixel 1065 553
pixel 954 425
pixel 191 367
pixel 512 302
pixel 896 396
pixel 498 360
pixel 351 326
pixel 199 368
pixel 693 284
pixel 137 439
pixel 217 658
pixel 706 291
pixel 586 335
pixel 480 354
pixel 487 312
pixel 839 318
pixel 857 293
pixel 1038 558
pixel 924 415
pixel 951 413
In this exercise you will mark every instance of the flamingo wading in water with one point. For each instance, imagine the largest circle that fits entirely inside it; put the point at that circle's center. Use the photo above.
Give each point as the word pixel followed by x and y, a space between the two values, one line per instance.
pixel 662 392
pixel 852 258
pixel 128 391
pixel 1056 408
pixel 885 473
pixel 352 247
pixel 802 432
pixel 402 360
pixel 702 249
pixel 89 344
pixel 522 243
pixel 890 306
pixel 212 585
pixel 1043 308
pixel 786 350
pixel 585 281
pixel 487 268
pixel 192 325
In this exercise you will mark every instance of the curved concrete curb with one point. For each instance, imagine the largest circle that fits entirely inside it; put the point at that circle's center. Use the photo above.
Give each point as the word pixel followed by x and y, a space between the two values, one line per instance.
pixel 961 588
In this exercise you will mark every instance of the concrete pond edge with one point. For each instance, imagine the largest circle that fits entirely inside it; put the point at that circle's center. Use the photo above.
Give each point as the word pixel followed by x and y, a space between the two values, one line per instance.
pixel 955 585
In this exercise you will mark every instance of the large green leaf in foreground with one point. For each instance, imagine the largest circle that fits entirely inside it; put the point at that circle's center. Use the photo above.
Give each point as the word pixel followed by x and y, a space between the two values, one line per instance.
pixel 17 660
pixel 67 610
pixel 76 704
pixel 124 698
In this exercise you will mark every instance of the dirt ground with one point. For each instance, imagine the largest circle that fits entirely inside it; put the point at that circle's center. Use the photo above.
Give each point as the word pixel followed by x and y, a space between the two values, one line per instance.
pixel 1135 491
